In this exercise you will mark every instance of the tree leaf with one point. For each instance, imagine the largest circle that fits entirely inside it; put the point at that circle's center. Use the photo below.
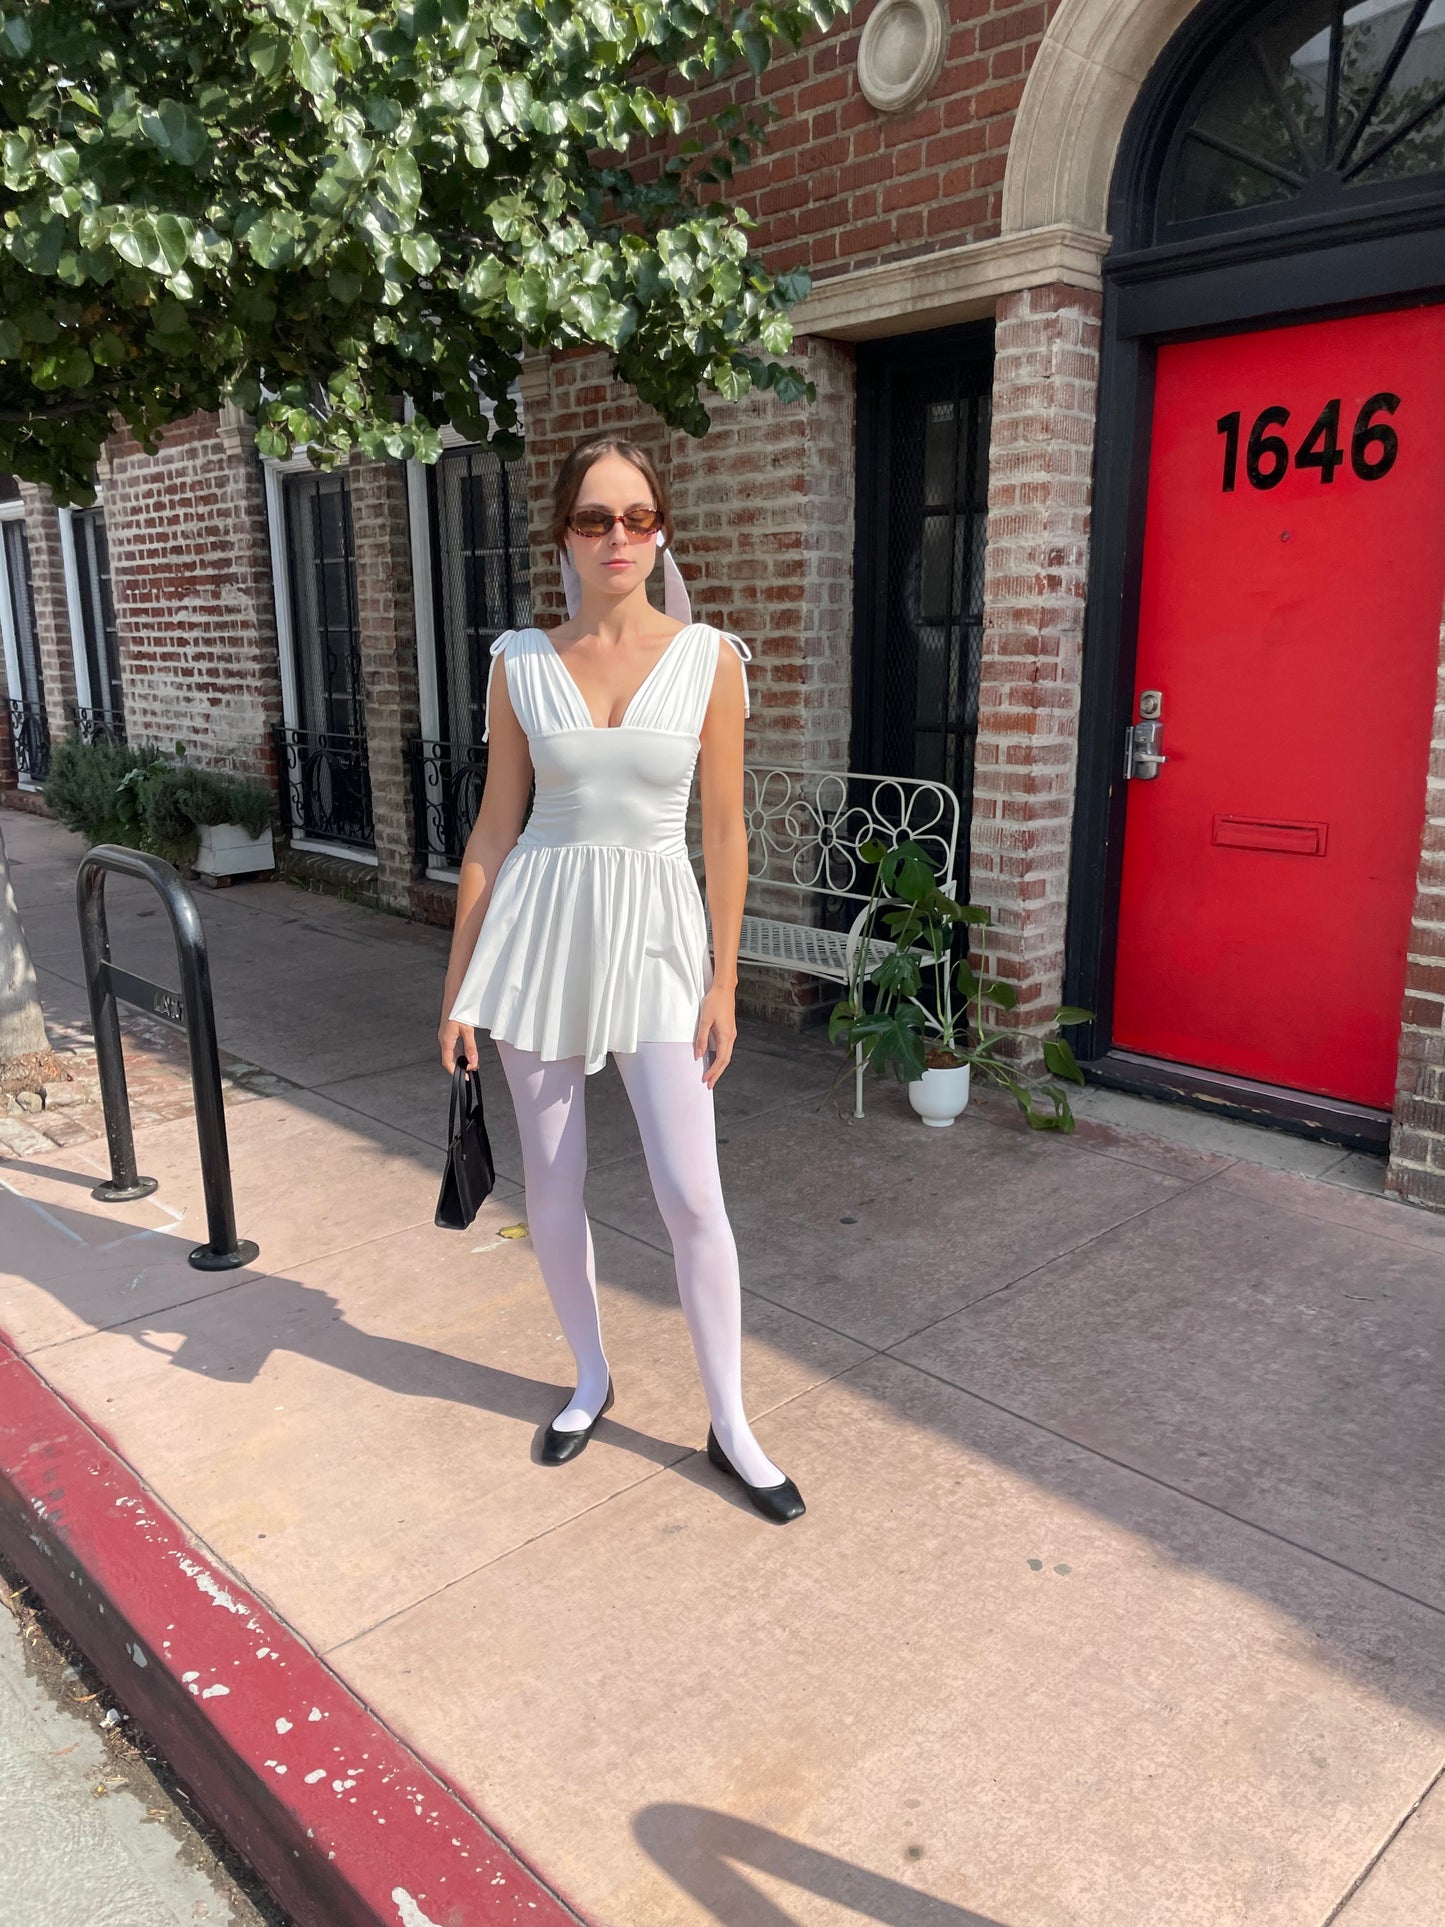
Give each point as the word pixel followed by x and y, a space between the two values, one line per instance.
pixel 421 252
pixel 61 162
pixel 175 131
pixel 313 62
pixel 15 37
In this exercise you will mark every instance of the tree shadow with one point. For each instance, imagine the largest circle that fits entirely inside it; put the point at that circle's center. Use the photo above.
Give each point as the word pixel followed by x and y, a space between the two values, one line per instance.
pixel 700 1850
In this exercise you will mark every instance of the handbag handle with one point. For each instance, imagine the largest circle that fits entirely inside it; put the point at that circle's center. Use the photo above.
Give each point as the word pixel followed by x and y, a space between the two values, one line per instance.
pixel 465 1091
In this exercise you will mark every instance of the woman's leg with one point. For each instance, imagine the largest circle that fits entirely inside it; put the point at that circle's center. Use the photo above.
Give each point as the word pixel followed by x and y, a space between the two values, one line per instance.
pixel 548 1097
pixel 674 1111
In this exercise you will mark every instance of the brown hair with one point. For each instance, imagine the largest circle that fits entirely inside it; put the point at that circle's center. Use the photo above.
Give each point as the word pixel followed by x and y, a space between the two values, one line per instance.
pixel 573 473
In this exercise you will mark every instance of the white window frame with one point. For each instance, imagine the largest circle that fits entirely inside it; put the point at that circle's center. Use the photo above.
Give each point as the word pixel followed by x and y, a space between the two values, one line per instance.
pixel 273 471
pixel 73 613
pixel 424 603
pixel 11 512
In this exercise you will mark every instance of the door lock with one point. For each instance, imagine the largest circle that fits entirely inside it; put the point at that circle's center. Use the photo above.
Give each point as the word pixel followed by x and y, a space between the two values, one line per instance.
pixel 1144 740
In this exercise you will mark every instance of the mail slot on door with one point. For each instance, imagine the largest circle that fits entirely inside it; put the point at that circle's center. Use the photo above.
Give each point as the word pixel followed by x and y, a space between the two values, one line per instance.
pixel 1255 833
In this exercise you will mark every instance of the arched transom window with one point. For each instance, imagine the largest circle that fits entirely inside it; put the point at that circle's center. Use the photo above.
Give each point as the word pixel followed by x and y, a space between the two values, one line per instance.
pixel 1312 108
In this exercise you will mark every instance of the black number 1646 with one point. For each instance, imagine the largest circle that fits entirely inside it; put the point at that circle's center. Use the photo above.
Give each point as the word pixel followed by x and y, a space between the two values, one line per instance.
pixel 1373 444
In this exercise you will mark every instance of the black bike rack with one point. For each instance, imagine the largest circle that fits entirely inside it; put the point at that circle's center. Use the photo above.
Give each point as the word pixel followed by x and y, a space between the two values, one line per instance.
pixel 188 1009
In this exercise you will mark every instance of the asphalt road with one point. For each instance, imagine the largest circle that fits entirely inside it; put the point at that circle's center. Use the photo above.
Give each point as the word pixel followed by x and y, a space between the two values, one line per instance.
pixel 94 1832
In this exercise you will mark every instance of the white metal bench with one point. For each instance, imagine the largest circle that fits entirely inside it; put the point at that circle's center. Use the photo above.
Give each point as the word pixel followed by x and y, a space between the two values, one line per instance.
pixel 806 824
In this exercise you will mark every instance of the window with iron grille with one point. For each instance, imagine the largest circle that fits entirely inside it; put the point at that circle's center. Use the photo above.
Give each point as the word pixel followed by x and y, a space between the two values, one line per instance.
pixel 922 493
pixel 22 611
pixel 481 577
pixel 480 586
pixel 97 616
pixel 29 724
pixel 326 780
pixel 321 556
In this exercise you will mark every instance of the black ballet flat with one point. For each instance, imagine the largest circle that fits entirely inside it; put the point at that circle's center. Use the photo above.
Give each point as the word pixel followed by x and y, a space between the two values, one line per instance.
pixel 558 1447
pixel 776 1502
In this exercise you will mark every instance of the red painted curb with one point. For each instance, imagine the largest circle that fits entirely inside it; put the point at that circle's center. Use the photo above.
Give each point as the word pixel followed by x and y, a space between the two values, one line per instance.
pixel 345 1825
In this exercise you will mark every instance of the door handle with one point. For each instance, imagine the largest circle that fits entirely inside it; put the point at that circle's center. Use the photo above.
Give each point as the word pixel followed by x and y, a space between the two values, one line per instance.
pixel 1144 740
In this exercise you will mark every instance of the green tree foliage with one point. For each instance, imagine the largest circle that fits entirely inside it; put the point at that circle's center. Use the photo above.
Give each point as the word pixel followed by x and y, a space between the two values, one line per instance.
pixel 312 207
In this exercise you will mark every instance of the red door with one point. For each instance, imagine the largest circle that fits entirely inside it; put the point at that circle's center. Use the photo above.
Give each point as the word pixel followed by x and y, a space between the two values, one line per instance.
pixel 1289 637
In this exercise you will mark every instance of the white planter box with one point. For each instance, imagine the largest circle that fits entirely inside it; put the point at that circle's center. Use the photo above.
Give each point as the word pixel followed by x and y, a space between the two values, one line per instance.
pixel 227 851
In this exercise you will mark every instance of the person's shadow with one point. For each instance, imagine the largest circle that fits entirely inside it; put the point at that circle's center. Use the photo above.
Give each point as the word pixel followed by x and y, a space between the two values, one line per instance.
pixel 700 1849
pixel 270 1312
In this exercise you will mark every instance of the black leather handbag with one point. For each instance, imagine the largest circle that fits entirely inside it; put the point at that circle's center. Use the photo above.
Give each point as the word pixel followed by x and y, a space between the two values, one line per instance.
pixel 470 1174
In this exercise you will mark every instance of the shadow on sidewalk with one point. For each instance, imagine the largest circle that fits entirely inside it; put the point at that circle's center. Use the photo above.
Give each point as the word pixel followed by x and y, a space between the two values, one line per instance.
pixel 697 1848
pixel 1246 1381
pixel 284 1315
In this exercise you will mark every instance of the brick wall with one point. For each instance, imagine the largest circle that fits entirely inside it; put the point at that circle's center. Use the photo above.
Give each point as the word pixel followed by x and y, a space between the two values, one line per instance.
pixel 1417 1144
pixel 195 612
pixel 763 506
pixel 1035 574
pixel 840 185
pixel 386 625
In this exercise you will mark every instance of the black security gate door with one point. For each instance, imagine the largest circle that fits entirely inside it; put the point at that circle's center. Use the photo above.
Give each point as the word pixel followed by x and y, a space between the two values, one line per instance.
pixel 922 494
pixel 323 591
pixel 481 585
pixel 481 578
pixel 104 716
pixel 327 773
pixel 29 725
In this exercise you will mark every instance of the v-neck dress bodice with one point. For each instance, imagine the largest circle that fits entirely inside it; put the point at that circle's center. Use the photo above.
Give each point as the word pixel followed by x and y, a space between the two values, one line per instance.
pixel 595 937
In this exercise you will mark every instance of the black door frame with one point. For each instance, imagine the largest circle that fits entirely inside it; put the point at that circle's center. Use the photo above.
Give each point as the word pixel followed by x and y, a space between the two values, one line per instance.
pixel 1268 275
pixel 968 345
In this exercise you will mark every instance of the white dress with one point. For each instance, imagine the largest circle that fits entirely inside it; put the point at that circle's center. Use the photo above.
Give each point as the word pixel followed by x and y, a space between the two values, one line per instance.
pixel 595 937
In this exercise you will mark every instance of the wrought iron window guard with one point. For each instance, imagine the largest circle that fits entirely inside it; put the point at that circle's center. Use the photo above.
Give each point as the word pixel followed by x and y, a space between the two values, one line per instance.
pixel 30 733
pixel 94 725
pixel 325 783
pixel 446 791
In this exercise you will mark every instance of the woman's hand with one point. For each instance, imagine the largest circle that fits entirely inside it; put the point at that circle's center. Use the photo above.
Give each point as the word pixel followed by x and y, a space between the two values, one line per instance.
pixel 449 1036
pixel 716 1022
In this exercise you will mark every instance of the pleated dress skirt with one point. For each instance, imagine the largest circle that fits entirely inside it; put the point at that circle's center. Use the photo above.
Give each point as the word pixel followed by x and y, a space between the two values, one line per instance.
pixel 595 937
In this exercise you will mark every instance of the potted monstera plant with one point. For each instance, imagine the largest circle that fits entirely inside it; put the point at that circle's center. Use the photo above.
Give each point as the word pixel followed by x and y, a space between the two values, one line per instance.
pixel 926 1014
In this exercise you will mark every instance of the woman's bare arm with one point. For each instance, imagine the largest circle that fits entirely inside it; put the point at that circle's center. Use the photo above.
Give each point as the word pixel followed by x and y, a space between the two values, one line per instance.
pixel 725 851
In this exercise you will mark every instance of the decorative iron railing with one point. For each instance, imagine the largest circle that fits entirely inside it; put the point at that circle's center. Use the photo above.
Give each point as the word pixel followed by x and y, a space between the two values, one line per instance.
pixel 325 785
pixel 98 725
pixel 446 792
pixel 808 881
pixel 30 733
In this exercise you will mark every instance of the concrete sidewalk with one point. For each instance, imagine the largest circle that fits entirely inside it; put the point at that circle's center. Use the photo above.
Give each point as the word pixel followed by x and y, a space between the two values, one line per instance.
pixel 1120 1600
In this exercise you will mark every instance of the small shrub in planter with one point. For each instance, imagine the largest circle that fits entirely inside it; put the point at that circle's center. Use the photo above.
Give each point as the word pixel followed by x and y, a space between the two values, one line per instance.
pixel 133 794
pixel 83 789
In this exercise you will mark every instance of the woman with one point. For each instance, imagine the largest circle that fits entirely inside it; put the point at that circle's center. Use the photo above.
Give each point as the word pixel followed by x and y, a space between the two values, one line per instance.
pixel 584 932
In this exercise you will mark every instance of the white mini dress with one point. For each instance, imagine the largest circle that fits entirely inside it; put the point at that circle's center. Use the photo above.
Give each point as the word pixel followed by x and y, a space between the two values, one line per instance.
pixel 595 937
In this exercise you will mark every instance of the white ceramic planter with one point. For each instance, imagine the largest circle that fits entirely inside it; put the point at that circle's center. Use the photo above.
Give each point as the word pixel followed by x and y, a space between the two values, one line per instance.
pixel 940 1094
pixel 227 850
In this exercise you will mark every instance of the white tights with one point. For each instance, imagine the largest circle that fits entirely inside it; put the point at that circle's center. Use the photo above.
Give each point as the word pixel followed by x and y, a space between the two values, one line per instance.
pixel 674 1112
